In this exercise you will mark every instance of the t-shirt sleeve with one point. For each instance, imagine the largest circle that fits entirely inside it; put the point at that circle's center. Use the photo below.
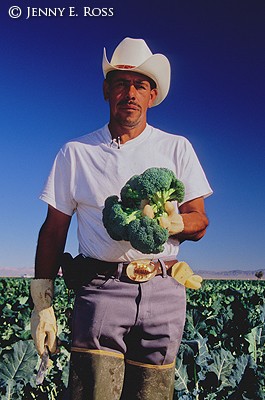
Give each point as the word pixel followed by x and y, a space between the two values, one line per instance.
pixel 58 189
pixel 192 174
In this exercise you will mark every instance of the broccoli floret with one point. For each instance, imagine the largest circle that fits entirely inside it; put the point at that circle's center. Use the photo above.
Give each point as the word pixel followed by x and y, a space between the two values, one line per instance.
pixel 156 185
pixel 131 195
pixel 116 218
pixel 126 219
pixel 147 236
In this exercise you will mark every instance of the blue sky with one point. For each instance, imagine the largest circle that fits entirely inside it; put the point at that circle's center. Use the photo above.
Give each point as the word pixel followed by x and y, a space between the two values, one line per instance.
pixel 51 91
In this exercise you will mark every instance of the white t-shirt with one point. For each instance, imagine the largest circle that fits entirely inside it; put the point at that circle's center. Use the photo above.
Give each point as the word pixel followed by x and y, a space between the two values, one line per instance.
pixel 91 168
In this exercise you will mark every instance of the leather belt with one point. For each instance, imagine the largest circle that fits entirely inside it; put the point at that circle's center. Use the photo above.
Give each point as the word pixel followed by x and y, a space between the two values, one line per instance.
pixel 81 270
pixel 138 270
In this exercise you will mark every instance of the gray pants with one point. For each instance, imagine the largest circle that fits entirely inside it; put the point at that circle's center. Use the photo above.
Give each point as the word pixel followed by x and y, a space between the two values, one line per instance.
pixel 142 321
pixel 126 323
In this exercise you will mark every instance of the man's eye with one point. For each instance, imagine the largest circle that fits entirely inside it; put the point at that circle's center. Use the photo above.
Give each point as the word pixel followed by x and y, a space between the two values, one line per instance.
pixel 121 84
pixel 141 86
pixel 118 85
pixel 137 87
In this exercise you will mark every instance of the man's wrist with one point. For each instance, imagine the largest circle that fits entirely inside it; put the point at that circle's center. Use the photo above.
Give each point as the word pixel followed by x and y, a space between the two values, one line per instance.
pixel 42 291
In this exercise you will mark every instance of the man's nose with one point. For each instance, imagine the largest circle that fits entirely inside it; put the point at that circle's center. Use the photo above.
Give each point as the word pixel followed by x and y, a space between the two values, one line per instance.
pixel 131 91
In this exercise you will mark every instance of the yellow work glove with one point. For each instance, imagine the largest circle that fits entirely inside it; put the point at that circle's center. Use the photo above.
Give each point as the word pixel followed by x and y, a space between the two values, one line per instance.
pixel 43 322
pixel 183 274
pixel 173 221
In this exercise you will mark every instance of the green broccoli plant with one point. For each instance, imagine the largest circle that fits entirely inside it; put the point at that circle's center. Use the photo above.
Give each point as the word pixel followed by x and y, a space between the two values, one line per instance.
pixel 135 218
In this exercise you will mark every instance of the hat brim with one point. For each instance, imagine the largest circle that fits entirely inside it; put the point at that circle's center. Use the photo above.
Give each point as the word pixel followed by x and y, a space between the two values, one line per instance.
pixel 156 67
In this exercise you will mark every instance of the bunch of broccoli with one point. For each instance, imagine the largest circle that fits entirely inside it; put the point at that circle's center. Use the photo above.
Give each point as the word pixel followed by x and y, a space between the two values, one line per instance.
pixel 135 218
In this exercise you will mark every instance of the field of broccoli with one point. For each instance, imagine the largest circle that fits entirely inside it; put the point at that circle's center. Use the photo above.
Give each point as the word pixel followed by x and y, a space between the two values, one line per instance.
pixel 221 356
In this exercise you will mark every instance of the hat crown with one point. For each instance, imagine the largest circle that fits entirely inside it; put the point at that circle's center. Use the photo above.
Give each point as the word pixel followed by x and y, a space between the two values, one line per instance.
pixel 132 52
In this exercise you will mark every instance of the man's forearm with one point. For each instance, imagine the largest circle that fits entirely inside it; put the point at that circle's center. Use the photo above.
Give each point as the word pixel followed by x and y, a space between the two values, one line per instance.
pixel 48 255
pixel 195 224
pixel 51 243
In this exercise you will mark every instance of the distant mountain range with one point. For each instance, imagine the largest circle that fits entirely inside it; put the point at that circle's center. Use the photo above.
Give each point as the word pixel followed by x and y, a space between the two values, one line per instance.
pixel 7 272
pixel 206 274
pixel 234 274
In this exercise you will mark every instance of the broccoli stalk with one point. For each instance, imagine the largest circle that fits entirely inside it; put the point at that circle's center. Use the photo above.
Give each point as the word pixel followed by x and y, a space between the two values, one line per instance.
pixel 159 198
pixel 136 217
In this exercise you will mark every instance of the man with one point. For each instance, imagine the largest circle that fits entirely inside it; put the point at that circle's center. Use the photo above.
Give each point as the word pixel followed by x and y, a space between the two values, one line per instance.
pixel 125 334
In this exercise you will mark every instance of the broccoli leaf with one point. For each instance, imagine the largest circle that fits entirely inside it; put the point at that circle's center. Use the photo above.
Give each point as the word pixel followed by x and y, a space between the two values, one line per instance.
pixel 18 364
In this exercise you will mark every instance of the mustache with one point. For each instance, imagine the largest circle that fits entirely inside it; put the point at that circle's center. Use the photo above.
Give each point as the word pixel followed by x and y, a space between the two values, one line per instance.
pixel 128 102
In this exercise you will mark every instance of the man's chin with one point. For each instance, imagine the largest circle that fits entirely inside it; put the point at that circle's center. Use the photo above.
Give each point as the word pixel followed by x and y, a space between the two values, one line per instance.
pixel 129 122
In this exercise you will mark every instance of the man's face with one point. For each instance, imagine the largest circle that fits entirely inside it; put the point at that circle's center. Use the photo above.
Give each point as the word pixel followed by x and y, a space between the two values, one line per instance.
pixel 129 95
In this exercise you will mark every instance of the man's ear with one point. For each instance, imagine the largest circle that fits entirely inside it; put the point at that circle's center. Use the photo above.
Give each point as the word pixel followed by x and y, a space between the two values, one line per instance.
pixel 153 96
pixel 106 90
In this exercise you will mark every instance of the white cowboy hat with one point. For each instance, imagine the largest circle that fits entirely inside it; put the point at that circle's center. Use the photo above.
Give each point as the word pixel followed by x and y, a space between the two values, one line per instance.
pixel 135 55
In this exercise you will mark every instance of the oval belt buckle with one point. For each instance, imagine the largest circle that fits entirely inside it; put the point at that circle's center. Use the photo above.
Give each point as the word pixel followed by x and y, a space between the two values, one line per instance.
pixel 141 270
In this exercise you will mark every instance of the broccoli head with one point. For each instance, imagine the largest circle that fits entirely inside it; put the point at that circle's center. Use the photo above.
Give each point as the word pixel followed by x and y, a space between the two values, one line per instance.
pixel 126 219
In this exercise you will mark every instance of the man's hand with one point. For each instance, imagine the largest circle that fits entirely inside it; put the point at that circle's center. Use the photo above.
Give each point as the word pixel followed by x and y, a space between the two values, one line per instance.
pixel 173 222
pixel 43 322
